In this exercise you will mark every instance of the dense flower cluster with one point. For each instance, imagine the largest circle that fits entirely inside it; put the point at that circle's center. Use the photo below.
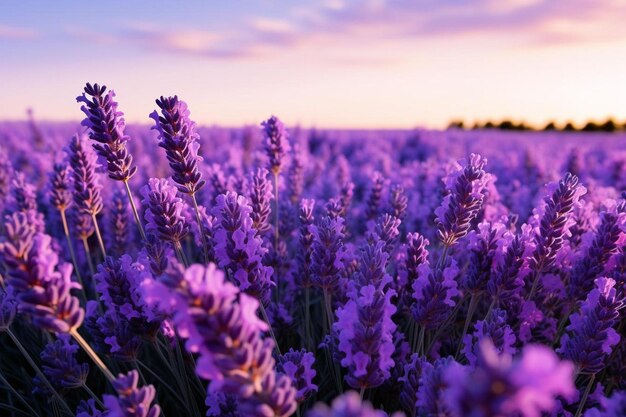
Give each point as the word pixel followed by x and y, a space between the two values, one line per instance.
pixel 309 264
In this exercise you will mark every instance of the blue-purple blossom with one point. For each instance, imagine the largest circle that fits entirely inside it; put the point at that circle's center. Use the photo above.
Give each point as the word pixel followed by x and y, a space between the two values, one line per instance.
pixel 276 143
pixel 298 365
pixel 59 190
pixel 433 294
pixel 238 248
pixel 261 196
pixel 164 217
pixel 590 335
pixel 86 185
pixel 365 332
pixel 177 135
pixel 60 366
pixel 527 386
pixel 106 127
pixel 466 192
pixel 327 253
pixel 346 405
pixel 131 400
pixel 495 328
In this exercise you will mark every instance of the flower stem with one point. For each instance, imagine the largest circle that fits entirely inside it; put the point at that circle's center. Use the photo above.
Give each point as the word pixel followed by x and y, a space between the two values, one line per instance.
pixel 66 230
pixel 99 235
pixel 40 374
pixel 92 354
pixel 132 205
pixel 17 395
pixel 205 249
pixel 468 320
pixel 583 400
pixel 307 320
pixel 88 256
pixel 94 396
pixel 269 325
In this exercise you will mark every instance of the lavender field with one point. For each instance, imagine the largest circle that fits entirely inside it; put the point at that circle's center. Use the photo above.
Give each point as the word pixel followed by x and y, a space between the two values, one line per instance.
pixel 168 269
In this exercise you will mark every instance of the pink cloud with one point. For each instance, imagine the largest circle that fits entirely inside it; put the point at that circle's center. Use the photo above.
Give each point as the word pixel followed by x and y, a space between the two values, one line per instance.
pixel 10 32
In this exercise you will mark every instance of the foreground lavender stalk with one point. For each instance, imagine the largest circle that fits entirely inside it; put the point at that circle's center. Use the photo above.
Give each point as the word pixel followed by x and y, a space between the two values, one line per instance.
pixel 107 126
pixel 131 400
pixel 178 137
pixel 220 324
pixel 86 186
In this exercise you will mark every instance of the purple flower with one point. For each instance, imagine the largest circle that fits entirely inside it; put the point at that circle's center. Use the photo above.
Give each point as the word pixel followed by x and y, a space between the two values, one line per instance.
pixel 178 137
pixel 296 175
pixel 304 271
pixel 89 409
pixel 221 405
pixel 430 394
pixel 276 143
pixel 164 209
pixel 466 192
pixel 506 281
pixel 106 126
pixel 327 253
pixel 483 246
pixel 372 205
pixel 500 386
pixel 591 337
pixel 398 201
pixel 221 326
pixel 41 286
pixel 387 230
pixel 131 400
pixel 238 249
pixel 118 232
pixel 495 328
pixel 60 366
pixel 409 268
pixel 24 193
pixel 298 365
pixel 261 196
pixel 86 185
pixel 8 309
pixel 555 223
pixel 60 194
pixel 433 293
pixel 410 381
pixel 346 405
pixel 611 407
pixel 365 332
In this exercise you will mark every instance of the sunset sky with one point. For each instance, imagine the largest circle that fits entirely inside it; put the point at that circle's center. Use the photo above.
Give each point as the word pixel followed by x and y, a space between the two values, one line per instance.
pixel 335 63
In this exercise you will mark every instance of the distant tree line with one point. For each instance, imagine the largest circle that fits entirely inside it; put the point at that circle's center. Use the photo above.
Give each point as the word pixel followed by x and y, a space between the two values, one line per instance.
pixel 608 126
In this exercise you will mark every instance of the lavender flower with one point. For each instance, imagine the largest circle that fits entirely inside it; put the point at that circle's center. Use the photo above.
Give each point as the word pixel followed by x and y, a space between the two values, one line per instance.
pixel 60 365
pixel 163 215
pixel 346 405
pixel 106 126
pixel 433 293
pixel 238 248
pixel 386 230
pixel 8 309
pixel 410 381
pixel 499 386
pixel 261 195
pixel 327 253
pixel 86 186
pixel 23 193
pixel 591 336
pixel 221 405
pixel 304 272
pixel 611 407
pixel 221 325
pixel 41 286
pixel 131 400
pixel 298 365
pixel 89 409
pixel 276 143
pixel 365 332
pixel 296 175
pixel 506 281
pixel 178 137
pixel 118 223
pixel 554 224
pixel 373 203
pixel 495 328
pixel 398 201
pixel 60 194
pixel 592 264
pixel 409 270
pixel 432 387
pixel 466 192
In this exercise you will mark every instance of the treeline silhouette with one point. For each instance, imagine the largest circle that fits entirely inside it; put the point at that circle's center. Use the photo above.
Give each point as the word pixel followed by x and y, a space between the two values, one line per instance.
pixel 608 126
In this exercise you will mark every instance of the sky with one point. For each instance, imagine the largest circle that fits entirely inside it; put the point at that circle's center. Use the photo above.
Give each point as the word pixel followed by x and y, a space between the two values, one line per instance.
pixel 328 63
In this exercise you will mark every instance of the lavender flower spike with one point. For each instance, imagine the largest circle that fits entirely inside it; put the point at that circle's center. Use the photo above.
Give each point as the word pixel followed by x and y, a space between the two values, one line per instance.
pixel 346 405
pixel 260 199
pixel 60 364
pixel 41 286
pixel 276 142
pixel 178 137
pixel 163 214
pixel 106 126
pixel 466 189
pixel 298 365
pixel 131 400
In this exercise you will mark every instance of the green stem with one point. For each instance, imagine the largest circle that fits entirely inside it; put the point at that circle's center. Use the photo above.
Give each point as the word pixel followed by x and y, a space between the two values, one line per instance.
pixel 329 313
pixel 40 374
pixel 94 396
pixel 583 400
pixel 66 230
pixel 99 235
pixel 205 249
pixel 18 396
pixel 132 205
pixel 161 381
pixel 181 254
pixel 468 320
pixel 307 319
pixel 269 326
pixel 92 354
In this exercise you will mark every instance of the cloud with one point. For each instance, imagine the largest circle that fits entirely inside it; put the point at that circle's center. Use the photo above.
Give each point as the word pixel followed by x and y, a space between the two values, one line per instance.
pixel 11 32
pixel 335 23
